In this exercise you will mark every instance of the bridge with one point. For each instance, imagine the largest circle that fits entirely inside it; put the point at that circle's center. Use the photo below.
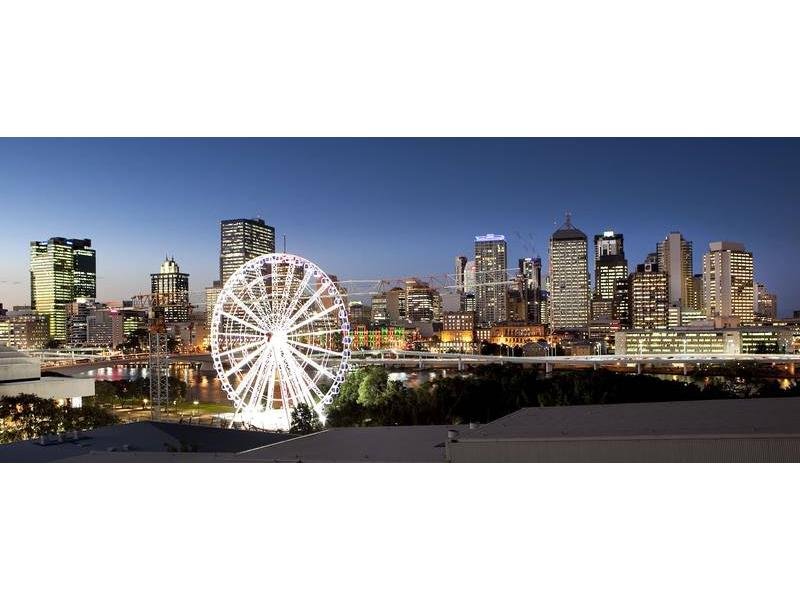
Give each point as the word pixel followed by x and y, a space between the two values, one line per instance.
pixel 68 362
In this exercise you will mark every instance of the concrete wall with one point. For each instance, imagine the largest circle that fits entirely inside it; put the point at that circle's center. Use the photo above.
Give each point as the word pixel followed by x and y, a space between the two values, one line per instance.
pixel 58 388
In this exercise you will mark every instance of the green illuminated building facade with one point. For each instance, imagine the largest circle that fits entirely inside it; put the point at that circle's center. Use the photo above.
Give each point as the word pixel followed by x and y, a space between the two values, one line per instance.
pixel 61 270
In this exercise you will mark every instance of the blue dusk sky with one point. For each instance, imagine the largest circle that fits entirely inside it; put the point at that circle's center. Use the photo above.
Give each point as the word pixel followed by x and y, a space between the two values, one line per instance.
pixel 390 208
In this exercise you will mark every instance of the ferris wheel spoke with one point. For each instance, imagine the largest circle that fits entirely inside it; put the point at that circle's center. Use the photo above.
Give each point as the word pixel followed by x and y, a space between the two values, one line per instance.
pixel 228 315
pixel 314 364
pixel 288 280
pixel 230 351
pixel 314 317
pixel 247 310
pixel 318 332
pixel 287 392
pixel 249 376
pixel 260 382
pixel 246 360
pixel 271 382
pixel 256 301
pixel 298 294
pixel 293 370
pixel 314 297
pixel 315 348
pixel 310 382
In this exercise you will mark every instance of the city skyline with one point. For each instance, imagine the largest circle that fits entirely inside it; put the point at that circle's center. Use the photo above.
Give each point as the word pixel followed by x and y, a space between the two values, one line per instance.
pixel 157 200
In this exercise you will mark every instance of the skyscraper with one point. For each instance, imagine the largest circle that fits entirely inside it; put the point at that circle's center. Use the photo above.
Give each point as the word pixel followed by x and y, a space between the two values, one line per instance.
pixel 675 259
pixel 242 240
pixel 696 296
pixel 461 264
pixel 609 263
pixel 491 266
pixel 61 270
pixel 530 271
pixel 728 281
pixel 649 298
pixel 170 290
pixel 468 302
pixel 569 278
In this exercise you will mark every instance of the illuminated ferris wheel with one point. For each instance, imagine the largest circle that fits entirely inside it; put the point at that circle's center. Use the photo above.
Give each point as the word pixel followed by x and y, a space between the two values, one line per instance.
pixel 279 338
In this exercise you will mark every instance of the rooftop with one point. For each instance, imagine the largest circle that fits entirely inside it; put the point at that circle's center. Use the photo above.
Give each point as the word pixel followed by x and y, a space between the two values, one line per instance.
pixel 143 437
pixel 568 231
pixel 737 417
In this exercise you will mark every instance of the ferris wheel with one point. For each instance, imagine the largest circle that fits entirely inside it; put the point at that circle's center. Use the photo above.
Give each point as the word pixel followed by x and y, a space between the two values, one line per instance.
pixel 280 337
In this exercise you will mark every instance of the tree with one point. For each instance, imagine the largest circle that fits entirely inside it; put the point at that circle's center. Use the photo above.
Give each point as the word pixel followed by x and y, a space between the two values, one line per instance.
pixel 26 416
pixel 304 420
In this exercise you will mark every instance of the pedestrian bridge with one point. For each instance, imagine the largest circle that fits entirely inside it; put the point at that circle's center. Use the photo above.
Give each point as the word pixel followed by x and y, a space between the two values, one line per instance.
pixel 72 362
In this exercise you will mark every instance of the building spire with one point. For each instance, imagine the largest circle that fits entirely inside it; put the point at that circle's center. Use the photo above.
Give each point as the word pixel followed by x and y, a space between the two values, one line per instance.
pixel 568 220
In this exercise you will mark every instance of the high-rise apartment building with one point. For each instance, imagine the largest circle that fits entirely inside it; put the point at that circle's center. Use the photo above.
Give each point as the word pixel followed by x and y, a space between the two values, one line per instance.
pixel 728 281
pixel 569 278
pixel 61 270
pixel 675 260
pixel 242 240
pixel 491 269
pixel 170 289
pixel 649 298
pixel 610 264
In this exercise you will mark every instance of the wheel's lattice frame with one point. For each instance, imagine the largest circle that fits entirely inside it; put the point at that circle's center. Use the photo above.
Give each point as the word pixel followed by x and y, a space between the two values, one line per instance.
pixel 280 337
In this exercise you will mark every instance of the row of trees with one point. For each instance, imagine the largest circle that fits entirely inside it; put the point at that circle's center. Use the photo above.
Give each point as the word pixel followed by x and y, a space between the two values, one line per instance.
pixel 119 392
pixel 489 392
pixel 27 417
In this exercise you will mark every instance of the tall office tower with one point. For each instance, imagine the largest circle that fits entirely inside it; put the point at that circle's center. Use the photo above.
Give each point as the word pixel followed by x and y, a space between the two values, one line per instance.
pixel 491 266
pixel 621 308
pixel 675 259
pixel 609 263
pixel 696 296
pixel 569 278
pixel 61 270
pixel 422 302
pixel 242 240
pixel 396 305
pixel 649 297
pixel 530 270
pixel 728 281
pixel 379 314
pixel 212 293
pixel 170 289
pixel 766 303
